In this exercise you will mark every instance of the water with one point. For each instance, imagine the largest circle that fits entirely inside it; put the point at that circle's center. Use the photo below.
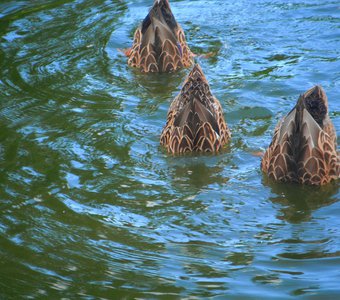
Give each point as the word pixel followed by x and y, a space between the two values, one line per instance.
pixel 92 207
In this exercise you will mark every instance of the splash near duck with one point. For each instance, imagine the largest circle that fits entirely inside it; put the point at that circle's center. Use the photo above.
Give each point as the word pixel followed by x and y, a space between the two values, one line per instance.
pixel 159 43
pixel 195 120
pixel 304 147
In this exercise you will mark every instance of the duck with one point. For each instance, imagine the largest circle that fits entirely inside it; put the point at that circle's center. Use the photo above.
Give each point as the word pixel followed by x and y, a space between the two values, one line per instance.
pixel 159 43
pixel 195 120
pixel 304 147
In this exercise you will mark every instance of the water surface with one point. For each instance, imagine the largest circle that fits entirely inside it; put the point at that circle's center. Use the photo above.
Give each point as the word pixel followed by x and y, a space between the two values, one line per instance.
pixel 92 207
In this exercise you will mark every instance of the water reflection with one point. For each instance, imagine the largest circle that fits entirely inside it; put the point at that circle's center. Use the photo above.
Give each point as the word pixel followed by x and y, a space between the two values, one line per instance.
pixel 157 90
pixel 197 174
pixel 299 202
pixel 238 259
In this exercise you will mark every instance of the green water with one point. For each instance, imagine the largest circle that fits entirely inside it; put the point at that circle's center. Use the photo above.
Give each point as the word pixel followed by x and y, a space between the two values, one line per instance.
pixel 93 208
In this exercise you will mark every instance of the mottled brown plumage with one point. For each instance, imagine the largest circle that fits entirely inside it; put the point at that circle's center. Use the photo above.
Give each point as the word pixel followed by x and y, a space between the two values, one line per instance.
pixel 195 119
pixel 159 43
pixel 303 148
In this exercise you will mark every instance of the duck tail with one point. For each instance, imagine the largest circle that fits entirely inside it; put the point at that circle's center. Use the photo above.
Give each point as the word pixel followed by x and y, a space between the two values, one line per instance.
pixel 197 117
pixel 316 154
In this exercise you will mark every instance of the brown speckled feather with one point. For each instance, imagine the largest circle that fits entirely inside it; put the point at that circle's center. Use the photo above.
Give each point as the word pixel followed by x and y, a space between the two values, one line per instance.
pixel 159 44
pixel 195 119
pixel 303 148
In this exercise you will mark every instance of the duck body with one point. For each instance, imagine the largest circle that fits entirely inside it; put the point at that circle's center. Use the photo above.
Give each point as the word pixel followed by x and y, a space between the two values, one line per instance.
pixel 195 121
pixel 304 147
pixel 159 43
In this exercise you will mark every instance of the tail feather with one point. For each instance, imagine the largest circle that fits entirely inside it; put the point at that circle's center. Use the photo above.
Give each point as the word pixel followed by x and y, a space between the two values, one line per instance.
pixel 160 32
pixel 301 150
pixel 313 163
pixel 197 116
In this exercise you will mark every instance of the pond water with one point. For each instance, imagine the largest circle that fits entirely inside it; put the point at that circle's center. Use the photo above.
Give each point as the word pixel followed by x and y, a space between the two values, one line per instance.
pixel 92 207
